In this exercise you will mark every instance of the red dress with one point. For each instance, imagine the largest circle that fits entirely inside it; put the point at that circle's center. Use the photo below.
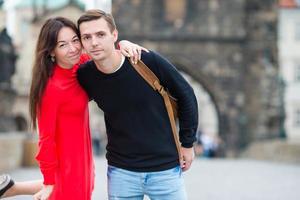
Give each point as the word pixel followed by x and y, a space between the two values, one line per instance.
pixel 65 153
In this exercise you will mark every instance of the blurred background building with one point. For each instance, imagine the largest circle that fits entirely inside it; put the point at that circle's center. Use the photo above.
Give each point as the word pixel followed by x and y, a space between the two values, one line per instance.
pixel 227 49
pixel 289 62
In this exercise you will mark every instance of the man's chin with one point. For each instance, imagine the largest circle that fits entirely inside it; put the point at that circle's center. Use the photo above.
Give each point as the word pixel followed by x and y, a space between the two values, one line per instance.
pixel 96 57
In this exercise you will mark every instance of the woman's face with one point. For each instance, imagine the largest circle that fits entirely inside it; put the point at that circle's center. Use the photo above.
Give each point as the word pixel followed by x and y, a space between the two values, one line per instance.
pixel 68 48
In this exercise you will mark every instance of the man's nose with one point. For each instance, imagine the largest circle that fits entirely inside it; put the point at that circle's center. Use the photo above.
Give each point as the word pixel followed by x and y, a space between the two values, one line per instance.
pixel 94 41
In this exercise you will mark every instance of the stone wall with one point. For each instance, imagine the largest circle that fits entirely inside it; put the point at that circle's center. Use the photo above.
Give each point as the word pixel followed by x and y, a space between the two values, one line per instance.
pixel 7 121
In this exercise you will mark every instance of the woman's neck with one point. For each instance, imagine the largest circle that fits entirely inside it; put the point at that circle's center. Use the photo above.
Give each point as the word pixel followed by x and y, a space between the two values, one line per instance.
pixel 65 66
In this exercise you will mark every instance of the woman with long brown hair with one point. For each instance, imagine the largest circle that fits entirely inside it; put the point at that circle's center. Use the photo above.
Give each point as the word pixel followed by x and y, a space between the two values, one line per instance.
pixel 58 105
pixel 59 110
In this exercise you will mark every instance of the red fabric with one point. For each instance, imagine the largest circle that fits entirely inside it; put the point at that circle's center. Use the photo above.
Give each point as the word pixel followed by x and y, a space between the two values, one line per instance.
pixel 65 154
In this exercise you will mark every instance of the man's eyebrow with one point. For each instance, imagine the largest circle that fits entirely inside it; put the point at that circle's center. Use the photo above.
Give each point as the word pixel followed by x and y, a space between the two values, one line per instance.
pixel 100 32
pixel 85 34
pixel 93 33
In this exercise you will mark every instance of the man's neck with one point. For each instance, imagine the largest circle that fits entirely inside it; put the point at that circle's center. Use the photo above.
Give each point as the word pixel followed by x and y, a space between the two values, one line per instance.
pixel 110 64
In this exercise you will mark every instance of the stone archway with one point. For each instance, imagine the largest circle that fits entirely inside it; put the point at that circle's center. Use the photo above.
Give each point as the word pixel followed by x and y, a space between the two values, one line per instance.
pixel 205 96
pixel 211 118
pixel 208 115
pixel 208 133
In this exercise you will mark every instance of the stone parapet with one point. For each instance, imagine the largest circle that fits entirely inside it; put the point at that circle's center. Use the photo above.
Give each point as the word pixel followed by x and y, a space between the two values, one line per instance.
pixel 11 151
pixel 274 150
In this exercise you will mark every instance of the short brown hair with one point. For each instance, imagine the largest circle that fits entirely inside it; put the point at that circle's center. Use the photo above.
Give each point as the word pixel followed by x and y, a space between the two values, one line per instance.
pixel 95 14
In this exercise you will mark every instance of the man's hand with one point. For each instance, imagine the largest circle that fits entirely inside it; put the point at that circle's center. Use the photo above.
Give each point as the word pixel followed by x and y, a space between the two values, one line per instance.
pixel 188 156
pixel 44 193
pixel 132 50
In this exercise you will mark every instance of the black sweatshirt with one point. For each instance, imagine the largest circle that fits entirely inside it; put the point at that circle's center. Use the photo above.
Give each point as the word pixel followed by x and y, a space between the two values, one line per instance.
pixel 138 128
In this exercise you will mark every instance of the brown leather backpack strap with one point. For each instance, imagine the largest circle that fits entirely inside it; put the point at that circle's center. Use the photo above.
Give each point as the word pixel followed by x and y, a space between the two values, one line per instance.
pixel 147 74
pixel 170 104
pixel 172 120
pixel 154 82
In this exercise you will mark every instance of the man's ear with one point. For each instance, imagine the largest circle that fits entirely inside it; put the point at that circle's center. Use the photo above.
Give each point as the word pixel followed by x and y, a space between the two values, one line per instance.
pixel 116 35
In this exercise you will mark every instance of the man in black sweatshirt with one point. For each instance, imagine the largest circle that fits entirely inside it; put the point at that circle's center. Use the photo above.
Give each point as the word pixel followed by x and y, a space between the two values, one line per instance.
pixel 141 152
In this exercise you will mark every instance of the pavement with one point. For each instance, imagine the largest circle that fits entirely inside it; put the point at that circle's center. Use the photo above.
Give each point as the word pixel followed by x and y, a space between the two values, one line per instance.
pixel 213 179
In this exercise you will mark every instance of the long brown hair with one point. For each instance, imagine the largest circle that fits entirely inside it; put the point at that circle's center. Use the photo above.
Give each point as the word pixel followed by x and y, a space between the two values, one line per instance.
pixel 43 65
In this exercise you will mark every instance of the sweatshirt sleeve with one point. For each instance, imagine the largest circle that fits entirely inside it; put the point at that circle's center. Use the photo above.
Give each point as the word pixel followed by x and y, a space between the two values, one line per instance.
pixel 82 77
pixel 47 120
pixel 179 88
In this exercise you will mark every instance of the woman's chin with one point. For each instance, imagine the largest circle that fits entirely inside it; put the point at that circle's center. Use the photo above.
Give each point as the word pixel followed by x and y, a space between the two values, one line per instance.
pixel 74 61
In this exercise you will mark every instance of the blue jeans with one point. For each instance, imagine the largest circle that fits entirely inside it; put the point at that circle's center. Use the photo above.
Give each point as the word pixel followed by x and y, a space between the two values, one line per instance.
pixel 161 185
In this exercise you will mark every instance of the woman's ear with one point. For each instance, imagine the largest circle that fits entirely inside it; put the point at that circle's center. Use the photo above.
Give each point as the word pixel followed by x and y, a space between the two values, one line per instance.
pixel 52 56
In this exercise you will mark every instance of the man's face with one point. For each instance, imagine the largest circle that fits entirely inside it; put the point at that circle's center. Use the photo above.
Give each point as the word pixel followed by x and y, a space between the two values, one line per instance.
pixel 97 39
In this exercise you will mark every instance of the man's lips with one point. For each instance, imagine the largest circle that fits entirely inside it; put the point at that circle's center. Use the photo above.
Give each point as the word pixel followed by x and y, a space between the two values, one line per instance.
pixel 96 51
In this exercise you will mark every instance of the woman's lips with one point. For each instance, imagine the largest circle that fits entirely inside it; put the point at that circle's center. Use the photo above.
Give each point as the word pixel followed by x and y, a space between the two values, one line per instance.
pixel 77 55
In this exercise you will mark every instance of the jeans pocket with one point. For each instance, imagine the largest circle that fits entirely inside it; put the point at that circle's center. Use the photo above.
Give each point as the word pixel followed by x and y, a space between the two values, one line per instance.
pixel 110 169
pixel 177 170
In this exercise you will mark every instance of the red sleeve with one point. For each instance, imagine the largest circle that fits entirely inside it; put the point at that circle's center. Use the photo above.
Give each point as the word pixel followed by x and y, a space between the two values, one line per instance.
pixel 84 58
pixel 47 118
